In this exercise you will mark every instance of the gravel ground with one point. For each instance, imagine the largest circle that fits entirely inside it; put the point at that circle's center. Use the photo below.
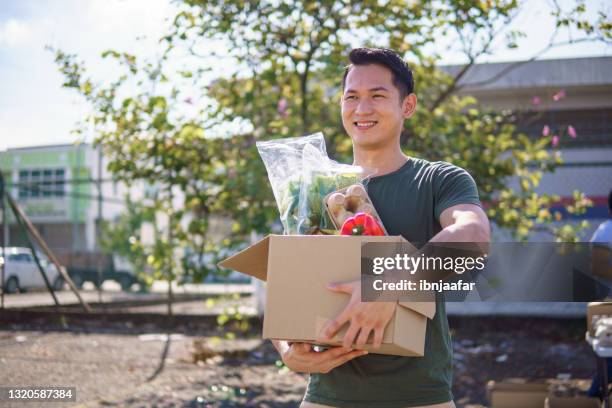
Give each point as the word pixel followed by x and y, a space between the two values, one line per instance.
pixel 118 365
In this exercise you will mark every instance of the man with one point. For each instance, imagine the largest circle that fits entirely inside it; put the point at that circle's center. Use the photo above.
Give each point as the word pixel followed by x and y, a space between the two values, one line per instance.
pixel 422 201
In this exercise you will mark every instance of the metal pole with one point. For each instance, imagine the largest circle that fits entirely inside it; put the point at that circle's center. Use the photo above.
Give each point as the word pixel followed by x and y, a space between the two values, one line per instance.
pixel 99 227
pixel 4 243
pixel 171 260
pixel 76 170
pixel 24 228
pixel 22 218
pixel 7 229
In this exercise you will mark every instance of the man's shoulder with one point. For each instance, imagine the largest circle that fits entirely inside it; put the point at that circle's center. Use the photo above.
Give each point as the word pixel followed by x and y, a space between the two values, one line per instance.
pixel 436 164
pixel 437 168
pixel 603 233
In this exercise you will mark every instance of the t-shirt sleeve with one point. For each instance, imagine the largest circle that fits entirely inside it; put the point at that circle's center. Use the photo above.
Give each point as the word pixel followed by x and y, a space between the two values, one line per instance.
pixel 603 234
pixel 452 186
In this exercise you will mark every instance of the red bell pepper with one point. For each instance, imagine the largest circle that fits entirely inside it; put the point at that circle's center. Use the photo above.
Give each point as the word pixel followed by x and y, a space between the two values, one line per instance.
pixel 361 224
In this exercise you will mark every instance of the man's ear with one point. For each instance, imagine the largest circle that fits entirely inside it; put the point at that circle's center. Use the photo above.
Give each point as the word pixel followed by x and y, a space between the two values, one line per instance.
pixel 409 105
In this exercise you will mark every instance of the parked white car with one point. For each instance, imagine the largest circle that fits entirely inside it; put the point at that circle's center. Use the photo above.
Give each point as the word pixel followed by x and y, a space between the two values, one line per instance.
pixel 21 272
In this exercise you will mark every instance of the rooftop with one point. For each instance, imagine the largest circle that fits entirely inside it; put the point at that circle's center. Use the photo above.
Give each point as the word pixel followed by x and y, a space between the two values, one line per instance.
pixel 575 72
pixel 46 147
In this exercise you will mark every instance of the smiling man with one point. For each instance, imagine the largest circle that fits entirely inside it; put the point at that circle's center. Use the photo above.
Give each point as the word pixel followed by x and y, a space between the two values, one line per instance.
pixel 422 201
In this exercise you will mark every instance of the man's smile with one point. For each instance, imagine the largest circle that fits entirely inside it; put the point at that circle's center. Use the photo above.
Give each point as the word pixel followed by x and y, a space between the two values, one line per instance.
pixel 365 124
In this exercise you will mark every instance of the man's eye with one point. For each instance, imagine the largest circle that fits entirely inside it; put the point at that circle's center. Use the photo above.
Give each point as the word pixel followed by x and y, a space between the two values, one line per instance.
pixel 350 97
pixel 379 96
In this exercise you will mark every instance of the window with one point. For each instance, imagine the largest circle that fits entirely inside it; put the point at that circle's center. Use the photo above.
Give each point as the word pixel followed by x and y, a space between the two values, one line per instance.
pixel 42 183
pixel 35 187
pixel 60 181
pixel 47 183
pixel 24 177
pixel 21 258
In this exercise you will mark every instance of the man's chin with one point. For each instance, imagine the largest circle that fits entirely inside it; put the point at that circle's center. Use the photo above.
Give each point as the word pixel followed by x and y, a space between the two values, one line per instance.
pixel 366 141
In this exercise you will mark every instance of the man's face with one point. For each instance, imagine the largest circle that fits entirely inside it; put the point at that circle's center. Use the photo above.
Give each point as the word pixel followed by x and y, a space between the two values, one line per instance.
pixel 372 113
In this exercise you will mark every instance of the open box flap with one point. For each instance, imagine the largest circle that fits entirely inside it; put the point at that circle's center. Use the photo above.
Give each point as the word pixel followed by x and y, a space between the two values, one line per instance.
pixel 252 261
pixel 425 308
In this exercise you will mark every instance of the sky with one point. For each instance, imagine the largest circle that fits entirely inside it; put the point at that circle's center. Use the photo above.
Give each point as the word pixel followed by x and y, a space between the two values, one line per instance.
pixel 36 110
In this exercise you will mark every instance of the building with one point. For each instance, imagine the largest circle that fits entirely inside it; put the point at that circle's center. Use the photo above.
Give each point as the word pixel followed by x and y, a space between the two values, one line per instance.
pixel 557 93
pixel 57 188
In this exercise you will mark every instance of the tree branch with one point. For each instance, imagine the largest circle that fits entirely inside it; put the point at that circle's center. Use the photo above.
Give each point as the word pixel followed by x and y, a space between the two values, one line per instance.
pixel 471 60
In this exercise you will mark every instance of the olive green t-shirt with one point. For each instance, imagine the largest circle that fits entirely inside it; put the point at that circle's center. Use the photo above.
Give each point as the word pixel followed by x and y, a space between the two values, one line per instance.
pixel 409 202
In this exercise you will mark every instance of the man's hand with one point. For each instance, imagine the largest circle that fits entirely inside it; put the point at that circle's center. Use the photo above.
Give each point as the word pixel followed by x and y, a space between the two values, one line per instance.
pixel 300 357
pixel 362 317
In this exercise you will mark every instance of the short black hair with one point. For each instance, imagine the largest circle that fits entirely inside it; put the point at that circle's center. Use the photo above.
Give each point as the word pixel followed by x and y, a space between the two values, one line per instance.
pixel 402 75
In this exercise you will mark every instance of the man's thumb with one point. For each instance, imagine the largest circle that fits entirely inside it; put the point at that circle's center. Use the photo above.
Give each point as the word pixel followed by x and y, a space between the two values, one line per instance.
pixel 340 287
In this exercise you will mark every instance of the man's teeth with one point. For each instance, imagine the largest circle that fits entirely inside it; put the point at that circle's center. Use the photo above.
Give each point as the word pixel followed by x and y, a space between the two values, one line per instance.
pixel 364 124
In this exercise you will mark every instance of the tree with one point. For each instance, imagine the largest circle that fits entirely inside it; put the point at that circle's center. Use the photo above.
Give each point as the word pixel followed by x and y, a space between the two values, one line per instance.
pixel 189 177
pixel 288 60
pixel 292 58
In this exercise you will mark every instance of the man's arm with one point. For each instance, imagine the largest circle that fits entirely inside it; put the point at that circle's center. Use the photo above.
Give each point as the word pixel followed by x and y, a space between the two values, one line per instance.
pixel 460 223
pixel 463 223
pixel 300 357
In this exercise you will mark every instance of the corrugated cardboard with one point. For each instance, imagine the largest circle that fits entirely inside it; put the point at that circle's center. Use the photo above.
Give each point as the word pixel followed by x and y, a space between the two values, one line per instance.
pixel 594 310
pixel 572 402
pixel 298 269
pixel 514 395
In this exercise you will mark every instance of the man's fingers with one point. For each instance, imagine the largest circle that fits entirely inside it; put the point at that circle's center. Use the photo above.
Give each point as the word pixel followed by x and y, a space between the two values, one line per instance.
pixel 349 336
pixel 324 358
pixel 363 337
pixel 343 287
pixel 378 337
pixel 344 358
pixel 301 348
pixel 334 352
pixel 305 347
pixel 334 325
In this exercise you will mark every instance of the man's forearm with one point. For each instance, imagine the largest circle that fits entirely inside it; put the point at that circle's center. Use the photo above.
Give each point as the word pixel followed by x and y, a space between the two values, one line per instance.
pixel 471 231
pixel 471 239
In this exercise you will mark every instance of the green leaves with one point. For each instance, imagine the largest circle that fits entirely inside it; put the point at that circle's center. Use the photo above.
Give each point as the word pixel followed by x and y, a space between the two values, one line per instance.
pixel 283 80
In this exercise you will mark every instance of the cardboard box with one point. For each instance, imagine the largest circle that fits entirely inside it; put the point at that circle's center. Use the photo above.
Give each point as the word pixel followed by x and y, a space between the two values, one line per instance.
pixel 572 402
pixel 566 388
pixel 550 393
pixel 297 269
pixel 510 394
pixel 594 311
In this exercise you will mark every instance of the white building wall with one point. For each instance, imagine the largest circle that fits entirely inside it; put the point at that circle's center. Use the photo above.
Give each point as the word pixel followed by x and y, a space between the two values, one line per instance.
pixel 593 180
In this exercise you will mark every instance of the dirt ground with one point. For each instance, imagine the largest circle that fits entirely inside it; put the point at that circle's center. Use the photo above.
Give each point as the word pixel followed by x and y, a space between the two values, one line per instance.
pixel 117 364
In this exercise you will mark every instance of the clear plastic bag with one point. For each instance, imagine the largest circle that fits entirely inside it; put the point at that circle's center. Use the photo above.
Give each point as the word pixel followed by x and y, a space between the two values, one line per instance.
pixel 320 177
pixel 283 161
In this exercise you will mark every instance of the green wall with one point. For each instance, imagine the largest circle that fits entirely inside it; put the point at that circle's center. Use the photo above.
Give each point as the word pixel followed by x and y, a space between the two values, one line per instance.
pixel 77 204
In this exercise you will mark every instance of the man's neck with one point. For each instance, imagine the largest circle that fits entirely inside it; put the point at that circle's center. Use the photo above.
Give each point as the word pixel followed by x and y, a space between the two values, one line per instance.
pixel 379 162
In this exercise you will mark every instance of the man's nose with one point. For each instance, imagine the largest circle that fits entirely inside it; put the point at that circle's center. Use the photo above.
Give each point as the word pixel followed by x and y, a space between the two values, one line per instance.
pixel 364 107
